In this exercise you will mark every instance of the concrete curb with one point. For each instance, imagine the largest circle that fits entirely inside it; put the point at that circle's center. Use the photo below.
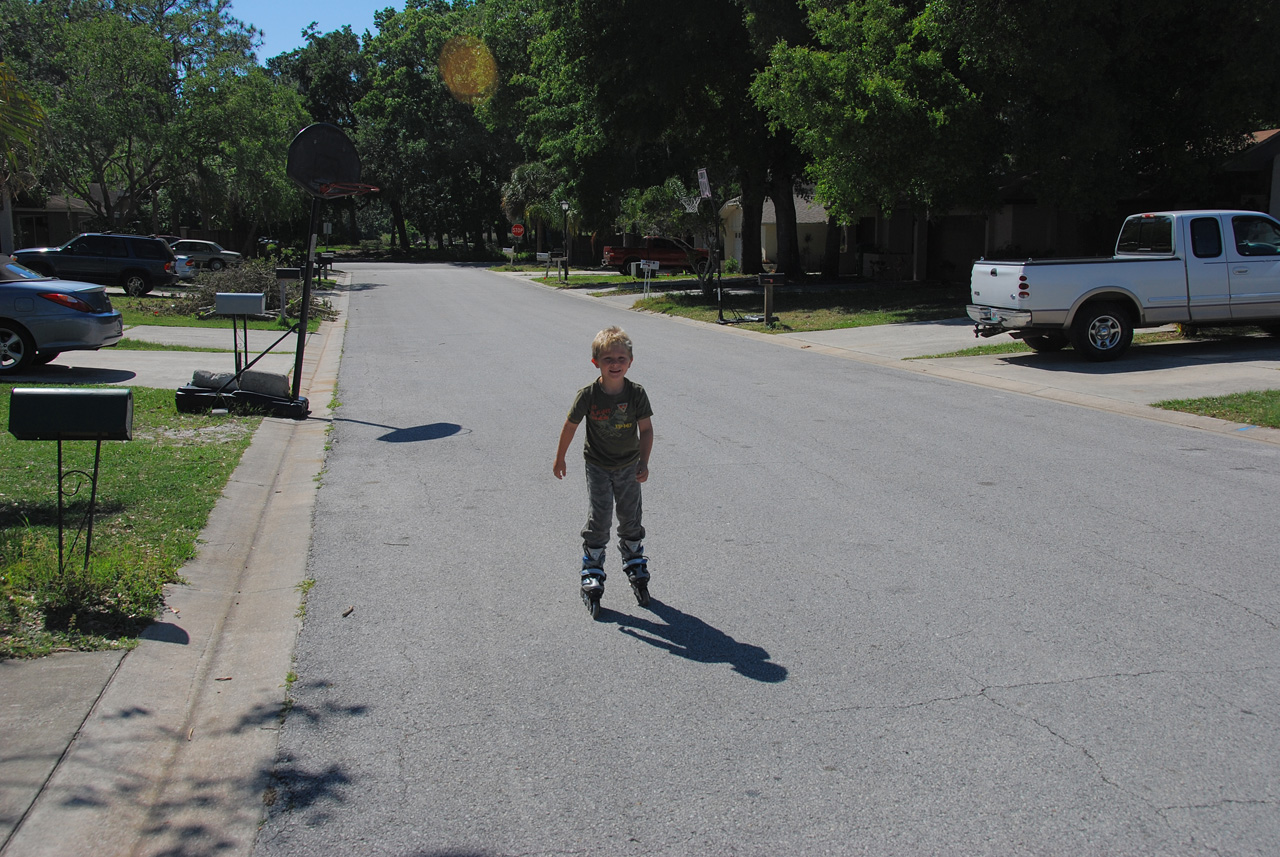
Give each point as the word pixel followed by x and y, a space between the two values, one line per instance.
pixel 177 753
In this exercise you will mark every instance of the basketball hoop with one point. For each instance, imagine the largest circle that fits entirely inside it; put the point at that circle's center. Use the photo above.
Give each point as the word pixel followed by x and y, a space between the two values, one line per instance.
pixel 337 190
pixel 323 159
pixel 691 203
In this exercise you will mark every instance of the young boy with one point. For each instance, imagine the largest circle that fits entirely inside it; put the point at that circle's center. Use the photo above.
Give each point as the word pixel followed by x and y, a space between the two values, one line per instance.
pixel 619 438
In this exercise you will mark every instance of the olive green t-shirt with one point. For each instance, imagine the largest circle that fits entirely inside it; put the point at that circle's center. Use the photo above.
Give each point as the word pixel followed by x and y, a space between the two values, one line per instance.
pixel 613 432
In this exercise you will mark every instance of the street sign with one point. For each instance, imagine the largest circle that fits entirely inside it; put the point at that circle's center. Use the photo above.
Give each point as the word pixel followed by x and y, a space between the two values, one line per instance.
pixel 517 229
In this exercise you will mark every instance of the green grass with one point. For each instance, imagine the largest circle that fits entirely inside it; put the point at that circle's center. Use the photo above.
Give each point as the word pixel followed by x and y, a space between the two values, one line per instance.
pixel 1259 408
pixel 1017 346
pixel 128 344
pixel 802 309
pixel 137 312
pixel 155 494
pixel 1011 346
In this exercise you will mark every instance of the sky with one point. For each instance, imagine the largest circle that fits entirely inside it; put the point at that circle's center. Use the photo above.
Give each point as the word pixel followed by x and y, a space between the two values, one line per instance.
pixel 282 21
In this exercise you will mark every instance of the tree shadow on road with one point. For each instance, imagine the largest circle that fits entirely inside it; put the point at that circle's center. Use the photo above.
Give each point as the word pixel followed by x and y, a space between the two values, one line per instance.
pixel 691 638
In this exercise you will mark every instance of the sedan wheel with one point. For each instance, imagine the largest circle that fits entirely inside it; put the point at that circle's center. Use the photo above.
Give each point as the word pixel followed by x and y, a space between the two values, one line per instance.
pixel 216 264
pixel 17 349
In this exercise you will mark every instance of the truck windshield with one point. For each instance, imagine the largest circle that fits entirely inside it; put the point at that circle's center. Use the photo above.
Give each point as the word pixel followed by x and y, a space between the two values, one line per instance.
pixel 1146 235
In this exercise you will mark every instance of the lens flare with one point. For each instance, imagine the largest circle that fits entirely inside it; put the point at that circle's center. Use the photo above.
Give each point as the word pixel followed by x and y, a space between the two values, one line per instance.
pixel 469 69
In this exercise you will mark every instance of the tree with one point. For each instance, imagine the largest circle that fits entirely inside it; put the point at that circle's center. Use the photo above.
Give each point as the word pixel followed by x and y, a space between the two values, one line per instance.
pixel 435 161
pixel 142 102
pixel 21 120
pixel 110 96
pixel 626 95
pixel 943 102
pixel 331 74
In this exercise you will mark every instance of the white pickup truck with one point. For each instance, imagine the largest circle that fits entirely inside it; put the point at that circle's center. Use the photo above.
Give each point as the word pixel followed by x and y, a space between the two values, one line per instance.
pixel 1194 267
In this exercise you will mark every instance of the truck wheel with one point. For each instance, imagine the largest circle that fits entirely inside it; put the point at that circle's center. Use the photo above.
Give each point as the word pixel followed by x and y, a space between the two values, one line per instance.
pixel 1047 343
pixel 1102 332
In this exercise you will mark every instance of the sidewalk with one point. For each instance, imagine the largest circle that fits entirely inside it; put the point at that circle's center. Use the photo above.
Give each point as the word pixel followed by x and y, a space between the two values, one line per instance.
pixel 169 749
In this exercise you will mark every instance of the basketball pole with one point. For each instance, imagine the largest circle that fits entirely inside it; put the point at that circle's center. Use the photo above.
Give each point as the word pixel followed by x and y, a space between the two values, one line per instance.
pixel 305 309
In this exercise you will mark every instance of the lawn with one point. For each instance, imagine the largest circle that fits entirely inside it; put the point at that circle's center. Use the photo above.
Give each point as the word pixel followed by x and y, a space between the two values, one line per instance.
pixel 809 308
pixel 1257 408
pixel 155 494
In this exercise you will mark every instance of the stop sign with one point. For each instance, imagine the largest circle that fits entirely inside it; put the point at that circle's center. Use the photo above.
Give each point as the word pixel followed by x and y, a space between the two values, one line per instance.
pixel 517 229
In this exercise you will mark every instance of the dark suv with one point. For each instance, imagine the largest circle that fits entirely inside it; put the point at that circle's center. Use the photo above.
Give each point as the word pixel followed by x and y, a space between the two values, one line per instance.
pixel 134 262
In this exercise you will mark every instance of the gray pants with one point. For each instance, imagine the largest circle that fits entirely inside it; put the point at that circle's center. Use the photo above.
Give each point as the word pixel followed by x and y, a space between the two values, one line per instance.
pixel 607 489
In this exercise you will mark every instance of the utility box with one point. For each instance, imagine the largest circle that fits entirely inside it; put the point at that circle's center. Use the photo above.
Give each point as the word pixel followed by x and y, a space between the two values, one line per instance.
pixel 240 303
pixel 46 413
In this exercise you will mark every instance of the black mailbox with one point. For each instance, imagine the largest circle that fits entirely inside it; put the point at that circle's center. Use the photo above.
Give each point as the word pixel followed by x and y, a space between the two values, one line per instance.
pixel 772 279
pixel 37 413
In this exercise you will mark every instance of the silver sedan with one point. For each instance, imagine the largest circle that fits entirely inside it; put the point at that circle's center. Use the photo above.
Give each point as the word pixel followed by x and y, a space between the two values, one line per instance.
pixel 205 253
pixel 41 317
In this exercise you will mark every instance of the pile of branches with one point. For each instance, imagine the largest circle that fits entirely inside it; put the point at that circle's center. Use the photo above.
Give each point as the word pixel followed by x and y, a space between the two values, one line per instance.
pixel 252 276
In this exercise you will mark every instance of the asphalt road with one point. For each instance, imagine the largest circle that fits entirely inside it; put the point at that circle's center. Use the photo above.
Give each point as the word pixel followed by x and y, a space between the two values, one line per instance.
pixel 893 614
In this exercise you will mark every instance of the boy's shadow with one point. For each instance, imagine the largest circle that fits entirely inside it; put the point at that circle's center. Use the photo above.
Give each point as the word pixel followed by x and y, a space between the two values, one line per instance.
pixel 690 637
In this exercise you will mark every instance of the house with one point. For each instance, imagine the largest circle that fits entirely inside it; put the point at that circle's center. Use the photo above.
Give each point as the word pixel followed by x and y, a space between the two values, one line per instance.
pixel 1254 174
pixel 60 219
pixel 911 245
pixel 872 247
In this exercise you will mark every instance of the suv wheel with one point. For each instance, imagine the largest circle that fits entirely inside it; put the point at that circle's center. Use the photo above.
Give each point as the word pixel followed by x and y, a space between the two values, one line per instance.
pixel 136 284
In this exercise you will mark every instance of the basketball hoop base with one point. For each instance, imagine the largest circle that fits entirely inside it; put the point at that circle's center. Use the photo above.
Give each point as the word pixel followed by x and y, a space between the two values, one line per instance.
pixel 199 400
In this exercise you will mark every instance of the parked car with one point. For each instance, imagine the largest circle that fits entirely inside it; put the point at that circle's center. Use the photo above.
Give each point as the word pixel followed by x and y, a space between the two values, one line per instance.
pixel 667 252
pixel 206 253
pixel 186 267
pixel 41 317
pixel 137 263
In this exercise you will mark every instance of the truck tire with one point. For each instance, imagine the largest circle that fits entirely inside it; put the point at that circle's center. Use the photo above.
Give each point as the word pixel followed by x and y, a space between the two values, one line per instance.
pixel 1102 332
pixel 1047 343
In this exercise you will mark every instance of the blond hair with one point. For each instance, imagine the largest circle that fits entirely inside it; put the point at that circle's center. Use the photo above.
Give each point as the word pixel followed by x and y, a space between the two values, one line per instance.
pixel 608 339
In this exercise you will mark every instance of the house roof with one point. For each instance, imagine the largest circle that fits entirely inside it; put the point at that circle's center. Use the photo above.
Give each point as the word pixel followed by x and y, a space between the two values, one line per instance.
pixel 1259 156
pixel 58 204
pixel 807 211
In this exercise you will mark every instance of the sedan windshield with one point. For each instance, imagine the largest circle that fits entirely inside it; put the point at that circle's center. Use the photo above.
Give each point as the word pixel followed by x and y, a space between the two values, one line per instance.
pixel 12 272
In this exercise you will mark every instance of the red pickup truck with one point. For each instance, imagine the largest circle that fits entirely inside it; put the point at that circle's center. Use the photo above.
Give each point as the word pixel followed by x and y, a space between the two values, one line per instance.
pixel 667 252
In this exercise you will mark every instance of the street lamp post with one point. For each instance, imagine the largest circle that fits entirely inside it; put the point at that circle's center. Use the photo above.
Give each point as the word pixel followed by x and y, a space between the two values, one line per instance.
pixel 564 206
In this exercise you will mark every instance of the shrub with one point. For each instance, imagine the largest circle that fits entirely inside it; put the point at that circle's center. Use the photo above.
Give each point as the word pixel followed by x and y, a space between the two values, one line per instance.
pixel 253 275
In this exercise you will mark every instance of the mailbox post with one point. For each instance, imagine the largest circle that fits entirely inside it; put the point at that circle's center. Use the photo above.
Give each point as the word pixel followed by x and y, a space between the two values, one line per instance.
pixel 240 305
pixel 73 414
pixel 769 281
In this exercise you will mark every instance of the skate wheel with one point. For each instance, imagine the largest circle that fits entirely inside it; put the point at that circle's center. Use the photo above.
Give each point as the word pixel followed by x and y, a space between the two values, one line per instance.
pixel 592 602
pixel 642 593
